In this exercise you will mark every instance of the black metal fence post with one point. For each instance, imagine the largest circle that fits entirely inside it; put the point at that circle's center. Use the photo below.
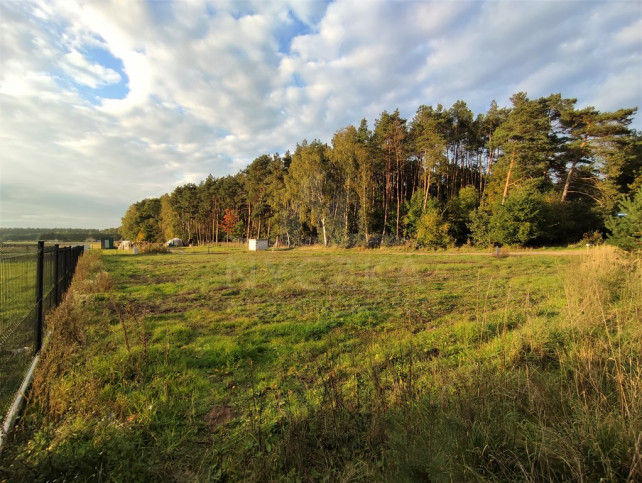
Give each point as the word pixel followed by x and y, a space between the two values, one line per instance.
pixel 66 283
pixel 39 295
pixel 56 285
pixel 70 268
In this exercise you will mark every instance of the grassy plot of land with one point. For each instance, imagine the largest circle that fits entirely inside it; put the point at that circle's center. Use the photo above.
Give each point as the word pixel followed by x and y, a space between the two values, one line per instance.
pixel 335 364
pixel 17 317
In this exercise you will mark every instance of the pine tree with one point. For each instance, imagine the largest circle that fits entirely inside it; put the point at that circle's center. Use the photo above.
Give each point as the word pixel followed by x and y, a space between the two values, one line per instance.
pixel 525 143
pixel 428 134
pixel 365 179
pixel 598 141
pixel 626 226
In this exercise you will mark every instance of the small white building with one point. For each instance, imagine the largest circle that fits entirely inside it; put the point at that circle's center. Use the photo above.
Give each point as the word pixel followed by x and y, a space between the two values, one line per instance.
pixel 257 244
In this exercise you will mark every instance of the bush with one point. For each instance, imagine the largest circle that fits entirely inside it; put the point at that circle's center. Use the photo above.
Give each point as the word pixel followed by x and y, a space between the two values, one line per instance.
pixel 432 230
pixel 568 222
pixel 414 212
pixel 592 238
pixel 519 221
pixel 459 212
pixel 149 248
pixel 626 227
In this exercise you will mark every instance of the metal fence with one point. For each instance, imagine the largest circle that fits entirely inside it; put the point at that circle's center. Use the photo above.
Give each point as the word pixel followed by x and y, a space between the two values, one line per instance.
pixel 33 279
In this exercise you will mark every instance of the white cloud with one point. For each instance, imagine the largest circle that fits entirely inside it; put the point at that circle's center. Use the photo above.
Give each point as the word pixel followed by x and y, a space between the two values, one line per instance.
pixel 631 34
pixel 214 84
pixel 83 72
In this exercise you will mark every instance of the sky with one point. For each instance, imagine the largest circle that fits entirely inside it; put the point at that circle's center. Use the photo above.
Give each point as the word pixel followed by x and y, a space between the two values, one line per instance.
pixel 103 103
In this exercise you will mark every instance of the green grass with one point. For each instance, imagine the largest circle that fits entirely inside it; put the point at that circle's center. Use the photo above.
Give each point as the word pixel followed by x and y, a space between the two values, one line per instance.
pixel 17 316
pixel 336 364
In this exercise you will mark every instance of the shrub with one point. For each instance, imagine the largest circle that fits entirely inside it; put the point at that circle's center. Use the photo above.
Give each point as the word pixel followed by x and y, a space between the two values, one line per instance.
pixel 413 216
pixel 592 238
pixel 149 248
pixel 626 227
pixel 567 222
pixel 459 212
pixel 432 229
pixel 519 221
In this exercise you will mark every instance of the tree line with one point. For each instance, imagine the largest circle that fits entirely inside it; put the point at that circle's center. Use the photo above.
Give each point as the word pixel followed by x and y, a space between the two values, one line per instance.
pixel 56 234
pixel 541 171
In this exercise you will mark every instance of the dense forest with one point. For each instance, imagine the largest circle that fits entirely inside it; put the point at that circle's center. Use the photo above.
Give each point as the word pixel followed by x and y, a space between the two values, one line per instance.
pixel 541 172
pixel 59 234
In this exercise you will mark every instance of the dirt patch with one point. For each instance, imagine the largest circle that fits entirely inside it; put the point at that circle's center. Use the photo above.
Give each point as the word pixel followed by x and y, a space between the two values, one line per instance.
pixel 151 307
pixel 219 416
pixel 152 279
pixel 220 288
pixel 185 297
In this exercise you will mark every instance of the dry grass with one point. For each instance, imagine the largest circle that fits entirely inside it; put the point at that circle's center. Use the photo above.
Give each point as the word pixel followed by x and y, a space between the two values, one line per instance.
pixel 564 402
pixel 67 326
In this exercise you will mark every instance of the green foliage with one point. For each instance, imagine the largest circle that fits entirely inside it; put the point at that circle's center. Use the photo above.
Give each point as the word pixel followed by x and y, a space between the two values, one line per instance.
pixel 432 229
pixel 626 227
pixel 566 222
pixel 414 210
pixel 365 188
pixel 59 234
pixel 152 248
pixel 256 184
pixel 168 219
pixel 429 132
pixel 310 185
pixel 631 172
pixel 517 222
pixel 142 221
pixel 459 213
pixel 525 143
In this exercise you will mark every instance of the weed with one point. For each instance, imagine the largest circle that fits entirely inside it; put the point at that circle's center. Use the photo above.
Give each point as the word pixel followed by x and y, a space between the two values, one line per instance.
pixel 140 359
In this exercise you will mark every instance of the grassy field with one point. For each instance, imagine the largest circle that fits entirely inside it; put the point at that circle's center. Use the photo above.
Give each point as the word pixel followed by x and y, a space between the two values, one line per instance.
pixel 18 315
pixel 313 364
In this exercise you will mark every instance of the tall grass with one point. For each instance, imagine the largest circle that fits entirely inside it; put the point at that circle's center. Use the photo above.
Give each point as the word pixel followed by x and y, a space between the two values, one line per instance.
pixel 512 391
pixel 555 399
pixel 567 406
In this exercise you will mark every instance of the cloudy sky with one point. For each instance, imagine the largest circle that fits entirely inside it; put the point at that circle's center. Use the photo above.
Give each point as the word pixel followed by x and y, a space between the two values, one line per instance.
pixel 105 103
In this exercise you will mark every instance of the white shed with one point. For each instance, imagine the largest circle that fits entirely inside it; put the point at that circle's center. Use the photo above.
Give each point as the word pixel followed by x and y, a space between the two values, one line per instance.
pixel 257 244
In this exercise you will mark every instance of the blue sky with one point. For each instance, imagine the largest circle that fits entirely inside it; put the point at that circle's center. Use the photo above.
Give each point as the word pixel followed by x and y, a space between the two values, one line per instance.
pixel 105 103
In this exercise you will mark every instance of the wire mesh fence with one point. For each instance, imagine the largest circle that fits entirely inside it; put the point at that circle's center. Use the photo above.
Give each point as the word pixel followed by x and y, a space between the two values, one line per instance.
pixel 33 278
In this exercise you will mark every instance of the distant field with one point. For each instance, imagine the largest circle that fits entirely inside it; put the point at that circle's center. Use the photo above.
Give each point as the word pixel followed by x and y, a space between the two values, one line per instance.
pixel 305 362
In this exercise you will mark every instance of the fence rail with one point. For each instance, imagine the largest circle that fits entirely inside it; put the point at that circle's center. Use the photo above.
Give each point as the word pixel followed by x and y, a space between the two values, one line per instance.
pixel 33 279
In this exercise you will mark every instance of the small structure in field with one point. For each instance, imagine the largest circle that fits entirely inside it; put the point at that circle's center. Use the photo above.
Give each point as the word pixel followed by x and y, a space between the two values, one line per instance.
pixel 125 245
pixel 257 244
pixel 107 243
pixel 174 242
